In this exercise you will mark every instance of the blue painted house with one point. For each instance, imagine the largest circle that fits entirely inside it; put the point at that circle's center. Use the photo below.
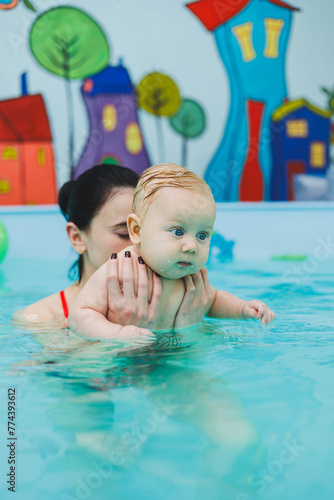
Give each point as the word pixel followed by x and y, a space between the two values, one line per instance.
pixel 300 134
pixel 252 38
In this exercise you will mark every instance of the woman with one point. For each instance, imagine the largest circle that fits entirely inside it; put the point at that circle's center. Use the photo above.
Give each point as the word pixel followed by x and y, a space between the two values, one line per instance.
pixel 96 206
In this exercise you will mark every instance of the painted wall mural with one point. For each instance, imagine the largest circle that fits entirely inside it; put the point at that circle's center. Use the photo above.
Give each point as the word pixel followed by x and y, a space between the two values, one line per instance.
pixel 300 144
pixel 189 122
pixel 252 38
pixel 27 167
pixel 69 43
pixel 159 95
pixel 260 155
pixel 10 4
pixel 115 135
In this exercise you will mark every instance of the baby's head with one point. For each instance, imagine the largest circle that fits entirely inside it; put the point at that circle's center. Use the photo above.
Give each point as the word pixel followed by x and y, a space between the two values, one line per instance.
pixel 172 220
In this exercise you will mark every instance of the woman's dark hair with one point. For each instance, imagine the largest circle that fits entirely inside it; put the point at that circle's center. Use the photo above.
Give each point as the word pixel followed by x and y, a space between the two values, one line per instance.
pixel 80 200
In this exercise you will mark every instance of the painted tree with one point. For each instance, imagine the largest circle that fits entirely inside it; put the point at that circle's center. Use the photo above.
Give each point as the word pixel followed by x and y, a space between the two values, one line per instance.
pixel 330 106
pixel 189 122
pixel 69 43
pixel 330 98
pixel 159 95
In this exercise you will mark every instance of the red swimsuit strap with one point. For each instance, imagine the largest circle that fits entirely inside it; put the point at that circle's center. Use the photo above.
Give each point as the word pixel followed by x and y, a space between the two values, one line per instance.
pixel 64 303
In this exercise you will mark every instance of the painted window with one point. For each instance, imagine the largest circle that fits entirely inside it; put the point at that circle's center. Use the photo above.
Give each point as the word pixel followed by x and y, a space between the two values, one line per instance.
pixel 133 138
pixel 4 186
pixel 10 153
pixel 109 117
pixel 110 160
pixel 88 85
pixel 273 29
pixel 318 154
pixel 297 128
pixel 244 36
pixel 41 157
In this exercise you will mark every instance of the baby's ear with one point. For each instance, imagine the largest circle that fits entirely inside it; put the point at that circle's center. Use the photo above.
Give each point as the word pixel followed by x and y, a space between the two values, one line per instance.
pixel 134 226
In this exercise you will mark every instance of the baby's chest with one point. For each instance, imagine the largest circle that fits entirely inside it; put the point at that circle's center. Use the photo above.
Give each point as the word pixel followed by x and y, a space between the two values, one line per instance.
pixel 171 298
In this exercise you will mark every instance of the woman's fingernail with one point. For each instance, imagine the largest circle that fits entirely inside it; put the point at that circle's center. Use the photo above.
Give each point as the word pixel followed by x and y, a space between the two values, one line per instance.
pixel 127 254
pixel 141 260
pixel 113 256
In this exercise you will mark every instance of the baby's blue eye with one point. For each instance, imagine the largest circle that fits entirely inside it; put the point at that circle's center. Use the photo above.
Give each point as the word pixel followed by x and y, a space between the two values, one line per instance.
pixel 202 236
pixel 177 231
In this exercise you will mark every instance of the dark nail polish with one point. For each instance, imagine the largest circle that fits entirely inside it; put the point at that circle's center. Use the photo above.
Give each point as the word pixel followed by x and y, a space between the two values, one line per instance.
pixel 127 254
pixel 141 260
pixel 113 256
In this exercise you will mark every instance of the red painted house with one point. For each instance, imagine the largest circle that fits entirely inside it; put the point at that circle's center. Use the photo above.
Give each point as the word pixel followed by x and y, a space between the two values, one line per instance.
pixel 27 167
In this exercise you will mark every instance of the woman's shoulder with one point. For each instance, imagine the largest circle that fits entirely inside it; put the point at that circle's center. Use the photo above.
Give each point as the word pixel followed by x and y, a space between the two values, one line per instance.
pixel 44 310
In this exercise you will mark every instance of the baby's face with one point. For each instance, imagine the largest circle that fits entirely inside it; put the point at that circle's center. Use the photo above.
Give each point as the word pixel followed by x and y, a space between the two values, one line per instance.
pixel 175 233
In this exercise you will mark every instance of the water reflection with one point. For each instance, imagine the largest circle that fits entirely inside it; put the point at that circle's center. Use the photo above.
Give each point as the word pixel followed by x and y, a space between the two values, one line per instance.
pixel 135 402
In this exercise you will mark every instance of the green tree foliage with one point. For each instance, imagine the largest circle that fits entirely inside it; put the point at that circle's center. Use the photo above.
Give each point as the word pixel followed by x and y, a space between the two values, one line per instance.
pixel 69 43
pixel 189 122
pixel 330 98
pixel 29 5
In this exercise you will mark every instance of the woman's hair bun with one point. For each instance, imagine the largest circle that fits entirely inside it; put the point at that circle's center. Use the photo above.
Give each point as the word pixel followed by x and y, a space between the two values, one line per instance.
pixel 64 196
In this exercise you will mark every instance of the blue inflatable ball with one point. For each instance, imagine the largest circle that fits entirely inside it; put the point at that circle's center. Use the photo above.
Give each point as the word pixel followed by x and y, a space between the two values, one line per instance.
pixel 4 242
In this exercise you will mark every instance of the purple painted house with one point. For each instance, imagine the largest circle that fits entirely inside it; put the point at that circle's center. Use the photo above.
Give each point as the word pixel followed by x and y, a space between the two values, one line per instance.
pixel 115 136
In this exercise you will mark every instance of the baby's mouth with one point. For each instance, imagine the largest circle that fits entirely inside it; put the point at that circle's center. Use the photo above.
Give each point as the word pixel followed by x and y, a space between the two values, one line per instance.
pixel 184 264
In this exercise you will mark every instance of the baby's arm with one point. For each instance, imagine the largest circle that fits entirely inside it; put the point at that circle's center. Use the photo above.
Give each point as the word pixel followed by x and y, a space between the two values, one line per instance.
pixel 88 313
pixel 226 305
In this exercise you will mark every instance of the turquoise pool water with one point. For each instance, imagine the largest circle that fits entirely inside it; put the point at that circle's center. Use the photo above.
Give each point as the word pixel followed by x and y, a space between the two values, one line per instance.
pixel 226 410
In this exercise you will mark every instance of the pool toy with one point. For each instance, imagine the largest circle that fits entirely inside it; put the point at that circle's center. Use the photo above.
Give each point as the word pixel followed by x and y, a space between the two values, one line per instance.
pixel 289 257
pixel 4 242
pixel 220 249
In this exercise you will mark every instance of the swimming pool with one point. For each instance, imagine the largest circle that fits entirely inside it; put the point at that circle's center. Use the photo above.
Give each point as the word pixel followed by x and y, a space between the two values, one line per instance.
pixel 225 410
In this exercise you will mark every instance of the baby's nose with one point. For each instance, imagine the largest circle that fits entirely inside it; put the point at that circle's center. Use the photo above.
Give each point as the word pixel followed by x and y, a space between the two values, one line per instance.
pixel 189 245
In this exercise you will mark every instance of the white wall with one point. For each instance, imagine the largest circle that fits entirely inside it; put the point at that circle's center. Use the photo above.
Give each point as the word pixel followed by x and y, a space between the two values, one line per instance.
pixel 260 231
pixel 163 35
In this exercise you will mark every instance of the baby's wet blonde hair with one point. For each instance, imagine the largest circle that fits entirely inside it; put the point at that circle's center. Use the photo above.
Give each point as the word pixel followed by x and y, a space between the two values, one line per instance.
pixel 162 176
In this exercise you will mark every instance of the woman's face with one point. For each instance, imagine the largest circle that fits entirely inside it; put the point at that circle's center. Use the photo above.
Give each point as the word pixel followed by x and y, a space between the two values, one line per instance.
pixel 108 231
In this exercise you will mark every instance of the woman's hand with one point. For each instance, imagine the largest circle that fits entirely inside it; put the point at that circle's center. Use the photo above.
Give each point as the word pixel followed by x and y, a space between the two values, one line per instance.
pixel 129 304
pixel 196 301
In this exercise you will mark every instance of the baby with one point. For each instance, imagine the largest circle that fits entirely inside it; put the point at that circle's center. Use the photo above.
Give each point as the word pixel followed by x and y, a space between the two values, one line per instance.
pixel 170 229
